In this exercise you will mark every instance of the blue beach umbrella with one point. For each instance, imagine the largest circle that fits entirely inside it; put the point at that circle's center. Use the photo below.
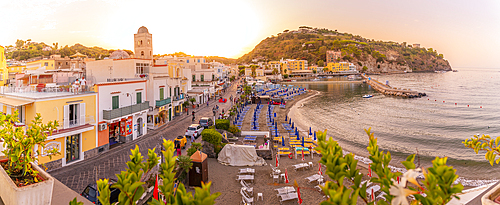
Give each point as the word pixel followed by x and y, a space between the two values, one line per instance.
pixel 310 133
pixel 286 117
pixel 293 125
pixel 297 133
pixel 282 141
pixel 302 141
pixel 276 132
pixel 274 114
pixel 290 122
pixel 314 136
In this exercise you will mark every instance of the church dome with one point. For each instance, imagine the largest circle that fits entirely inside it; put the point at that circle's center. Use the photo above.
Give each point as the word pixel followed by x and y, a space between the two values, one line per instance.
pixel 142 29
pixel 119 54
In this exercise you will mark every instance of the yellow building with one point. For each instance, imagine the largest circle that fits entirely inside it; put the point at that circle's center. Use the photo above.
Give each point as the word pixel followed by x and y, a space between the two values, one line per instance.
pixel 4 72
pixel 47 64
pixel 338 67
pixel 289 65
pixel 76 137
pixel 16 68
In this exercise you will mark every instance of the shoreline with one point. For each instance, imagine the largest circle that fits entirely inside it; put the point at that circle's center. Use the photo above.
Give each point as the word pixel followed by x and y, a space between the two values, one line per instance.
pixel 363 166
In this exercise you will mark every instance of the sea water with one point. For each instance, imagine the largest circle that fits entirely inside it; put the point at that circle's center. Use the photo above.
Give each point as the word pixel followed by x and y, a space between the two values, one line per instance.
pixel 458 105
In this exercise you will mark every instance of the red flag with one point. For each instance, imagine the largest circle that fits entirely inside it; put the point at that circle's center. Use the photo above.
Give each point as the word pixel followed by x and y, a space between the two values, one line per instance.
pixel 369 171
pixel 155 192
pixel 303 154
pixel 320 173
pixel 298 192
pixel 286 176
pixel 372 196
pixel 277 162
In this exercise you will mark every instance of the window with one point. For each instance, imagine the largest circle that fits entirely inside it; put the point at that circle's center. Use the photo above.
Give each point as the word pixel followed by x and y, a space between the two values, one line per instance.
pixel 161 94
pixel 139 98
pixel 202 78
pixel 198 60
pixel 194 78
pixel 170 92
pixel 187 61
pixel 21 114
pixel 149 42
pixel 46 64
pixel 142 53
pixel 213 77
pixel 116 102
pixel 138 42
pixel 72 148
pixel 141 68
pixel 73 115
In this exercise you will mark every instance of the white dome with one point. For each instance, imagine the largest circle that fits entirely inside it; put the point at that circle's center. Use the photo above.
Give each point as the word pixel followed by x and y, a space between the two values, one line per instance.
pixel 119 54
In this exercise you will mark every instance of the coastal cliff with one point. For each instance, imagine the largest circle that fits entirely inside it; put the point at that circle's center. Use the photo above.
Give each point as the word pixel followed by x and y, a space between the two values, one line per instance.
pixel 368 55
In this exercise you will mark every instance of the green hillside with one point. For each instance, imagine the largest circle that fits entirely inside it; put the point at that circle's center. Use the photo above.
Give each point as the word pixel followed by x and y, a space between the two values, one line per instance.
pixel 378 56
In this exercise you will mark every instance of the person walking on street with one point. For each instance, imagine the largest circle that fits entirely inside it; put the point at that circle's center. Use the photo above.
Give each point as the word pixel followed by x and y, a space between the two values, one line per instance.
pixel 207 103
pixel 178 148
pixel 193 115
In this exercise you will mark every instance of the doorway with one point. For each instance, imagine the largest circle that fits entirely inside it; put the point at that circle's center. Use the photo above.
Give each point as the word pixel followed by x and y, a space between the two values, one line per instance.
pixel 72 148
pixel 139 127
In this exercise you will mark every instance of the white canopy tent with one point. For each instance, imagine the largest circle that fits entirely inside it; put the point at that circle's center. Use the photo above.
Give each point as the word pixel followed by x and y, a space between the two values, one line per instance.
pixel 240 155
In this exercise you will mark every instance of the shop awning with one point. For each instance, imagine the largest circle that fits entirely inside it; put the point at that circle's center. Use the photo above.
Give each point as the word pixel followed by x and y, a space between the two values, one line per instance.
pixel 15 102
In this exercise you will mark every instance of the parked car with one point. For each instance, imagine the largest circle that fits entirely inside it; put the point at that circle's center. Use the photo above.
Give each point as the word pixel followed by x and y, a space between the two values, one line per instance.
pixel 206 122
pixel 90 192
pixel 194 130
pixel 180 140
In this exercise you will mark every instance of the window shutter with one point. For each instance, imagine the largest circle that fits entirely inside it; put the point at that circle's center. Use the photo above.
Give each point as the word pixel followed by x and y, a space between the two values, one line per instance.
pixel 66 117
pixel 82 113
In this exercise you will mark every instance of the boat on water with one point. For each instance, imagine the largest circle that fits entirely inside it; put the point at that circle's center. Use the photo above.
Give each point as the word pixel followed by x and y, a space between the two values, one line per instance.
pixel 367 96
pixel 330 77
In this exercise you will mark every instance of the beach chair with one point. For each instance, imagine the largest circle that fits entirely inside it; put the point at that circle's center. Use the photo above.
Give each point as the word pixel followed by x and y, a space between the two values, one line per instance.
pixel 245 177
pixel 245 198
pixel 285 190
pixel 319 187
pixel 374 188
pixel 247 171
pixel 313 178
pixel 287 197
pixel 246 187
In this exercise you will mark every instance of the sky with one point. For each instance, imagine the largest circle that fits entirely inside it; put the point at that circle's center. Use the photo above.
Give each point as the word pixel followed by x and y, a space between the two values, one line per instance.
pixel 467 33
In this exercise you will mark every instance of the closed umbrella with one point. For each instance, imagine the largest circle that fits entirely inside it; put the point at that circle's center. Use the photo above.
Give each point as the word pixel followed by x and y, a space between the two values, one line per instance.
pixel 282 141
pixel 314 136
pixel 286 117
pixel 297 134
pixel 302 141
pixel 310 133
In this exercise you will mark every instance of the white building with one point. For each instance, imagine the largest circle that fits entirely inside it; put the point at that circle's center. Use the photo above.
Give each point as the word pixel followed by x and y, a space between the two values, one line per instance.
pixel 122 111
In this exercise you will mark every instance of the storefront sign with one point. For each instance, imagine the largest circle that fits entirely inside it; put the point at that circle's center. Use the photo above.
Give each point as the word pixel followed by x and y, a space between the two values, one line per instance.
pixel 51 145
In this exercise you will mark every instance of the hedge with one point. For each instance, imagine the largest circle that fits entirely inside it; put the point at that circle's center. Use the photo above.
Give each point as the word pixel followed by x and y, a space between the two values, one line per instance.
pixel 222 124
pixel 211 136
pixel 233 129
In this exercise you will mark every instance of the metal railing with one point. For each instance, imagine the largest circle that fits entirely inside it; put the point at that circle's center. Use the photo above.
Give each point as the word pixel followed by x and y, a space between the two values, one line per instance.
pixel 178 97
pixel 127 110
pixel 163 102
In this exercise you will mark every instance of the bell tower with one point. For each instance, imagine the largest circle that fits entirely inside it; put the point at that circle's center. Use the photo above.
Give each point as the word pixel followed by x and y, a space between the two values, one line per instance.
pixel 143 44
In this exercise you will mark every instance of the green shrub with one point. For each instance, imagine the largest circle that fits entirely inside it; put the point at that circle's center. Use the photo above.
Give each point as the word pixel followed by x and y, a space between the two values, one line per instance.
pixel 211 127
pixel 233 129
pixel 194 147
pixel 222 124
pixel 211 136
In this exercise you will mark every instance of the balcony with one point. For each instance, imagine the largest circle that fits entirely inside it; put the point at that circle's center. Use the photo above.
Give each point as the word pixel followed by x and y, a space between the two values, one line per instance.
pixel 123 111
pixel 163 102
pixel 178 97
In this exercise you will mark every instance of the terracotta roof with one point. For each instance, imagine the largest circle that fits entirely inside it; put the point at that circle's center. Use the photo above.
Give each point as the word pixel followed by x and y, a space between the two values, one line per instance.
pixel 198 156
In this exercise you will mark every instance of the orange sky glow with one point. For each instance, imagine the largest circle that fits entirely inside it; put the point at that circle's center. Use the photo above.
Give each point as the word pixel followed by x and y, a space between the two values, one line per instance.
pixel 466 32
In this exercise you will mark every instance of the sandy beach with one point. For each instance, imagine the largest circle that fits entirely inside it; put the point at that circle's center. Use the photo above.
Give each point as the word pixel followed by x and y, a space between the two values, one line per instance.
pixel 224 177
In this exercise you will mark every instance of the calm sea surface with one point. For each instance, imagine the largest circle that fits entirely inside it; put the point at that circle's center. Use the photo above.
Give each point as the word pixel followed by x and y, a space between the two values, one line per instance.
pixel 434 124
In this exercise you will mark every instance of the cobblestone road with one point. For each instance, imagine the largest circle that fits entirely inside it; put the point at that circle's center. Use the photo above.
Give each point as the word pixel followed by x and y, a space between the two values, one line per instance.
pixel 78 175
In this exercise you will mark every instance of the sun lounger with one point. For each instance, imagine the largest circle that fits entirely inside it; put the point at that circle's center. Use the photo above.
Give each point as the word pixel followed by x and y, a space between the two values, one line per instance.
pixel 319 187
pixel 245 177
pixel 313 178
pixel 285 190
pixel 249 139
pixel 284 149
pixel 245 198
pixel 283 153
pixel 247 171
pixel 300 166
pixel 247 189
pixel 289 196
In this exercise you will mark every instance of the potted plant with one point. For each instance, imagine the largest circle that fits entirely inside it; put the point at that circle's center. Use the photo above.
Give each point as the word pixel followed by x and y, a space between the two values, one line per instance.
pixel 192 100
pixel 21 179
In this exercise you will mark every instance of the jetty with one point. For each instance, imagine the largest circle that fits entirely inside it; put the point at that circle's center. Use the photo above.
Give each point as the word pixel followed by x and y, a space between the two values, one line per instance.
pixel 388 90
pixel 323 82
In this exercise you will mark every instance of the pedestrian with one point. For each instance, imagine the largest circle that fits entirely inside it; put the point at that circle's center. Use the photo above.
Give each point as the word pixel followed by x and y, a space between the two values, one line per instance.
pixel 193 115
pixel 207 103
pixel 178 149
pixel 214 112
pixel 192 140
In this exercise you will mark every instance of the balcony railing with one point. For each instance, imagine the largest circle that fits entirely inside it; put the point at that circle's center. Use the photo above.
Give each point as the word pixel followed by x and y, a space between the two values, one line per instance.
pixel 163 102
pixel 123 111
pixel 178 97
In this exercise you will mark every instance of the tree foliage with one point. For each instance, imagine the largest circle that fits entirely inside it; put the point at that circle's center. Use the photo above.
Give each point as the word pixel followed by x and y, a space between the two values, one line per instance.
pixel 485 143
pixel 436 188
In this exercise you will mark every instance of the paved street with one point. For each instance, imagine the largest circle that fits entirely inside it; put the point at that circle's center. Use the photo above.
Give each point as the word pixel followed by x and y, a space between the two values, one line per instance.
pixel 78 175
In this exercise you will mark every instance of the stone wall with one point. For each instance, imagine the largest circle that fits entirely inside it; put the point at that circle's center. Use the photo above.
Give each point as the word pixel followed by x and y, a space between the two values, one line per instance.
pixel 208 149
pixel 53 165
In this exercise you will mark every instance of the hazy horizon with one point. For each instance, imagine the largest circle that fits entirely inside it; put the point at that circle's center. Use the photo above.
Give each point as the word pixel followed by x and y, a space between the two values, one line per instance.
pixel 464 32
